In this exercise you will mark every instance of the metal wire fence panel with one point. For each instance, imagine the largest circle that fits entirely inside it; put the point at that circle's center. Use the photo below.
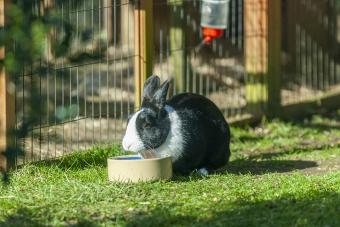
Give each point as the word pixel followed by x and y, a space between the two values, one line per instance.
pixel 311 50
pixel 216 70
pixel 85 92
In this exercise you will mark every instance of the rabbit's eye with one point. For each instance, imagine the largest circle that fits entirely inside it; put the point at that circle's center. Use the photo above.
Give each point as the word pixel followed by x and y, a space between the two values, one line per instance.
pixel 146 124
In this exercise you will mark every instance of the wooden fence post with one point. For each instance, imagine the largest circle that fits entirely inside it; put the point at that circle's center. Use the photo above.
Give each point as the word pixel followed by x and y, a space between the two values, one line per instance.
pixel 108 7
pixel 143 46
pixel 177 42
pixel 7 108
pixel 262 25
pixel 125 22
pixel 274 57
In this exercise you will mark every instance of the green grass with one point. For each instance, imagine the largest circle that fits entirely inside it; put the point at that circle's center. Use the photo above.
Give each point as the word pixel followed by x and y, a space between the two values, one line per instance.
pixel 280 174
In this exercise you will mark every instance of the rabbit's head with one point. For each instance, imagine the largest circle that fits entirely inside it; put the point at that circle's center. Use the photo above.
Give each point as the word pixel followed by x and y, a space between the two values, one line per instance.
pixel 149 127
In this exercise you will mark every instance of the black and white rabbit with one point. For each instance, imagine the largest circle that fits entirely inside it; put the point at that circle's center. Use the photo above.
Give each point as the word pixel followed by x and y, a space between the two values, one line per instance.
pixel 188 127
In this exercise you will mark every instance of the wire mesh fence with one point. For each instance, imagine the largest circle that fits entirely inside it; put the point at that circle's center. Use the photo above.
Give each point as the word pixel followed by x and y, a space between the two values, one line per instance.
pixel 85 95
pixel 84 92
pixel 310 49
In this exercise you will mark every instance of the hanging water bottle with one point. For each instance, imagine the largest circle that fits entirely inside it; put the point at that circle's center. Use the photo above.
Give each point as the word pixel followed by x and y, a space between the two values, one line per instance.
pixel 214 18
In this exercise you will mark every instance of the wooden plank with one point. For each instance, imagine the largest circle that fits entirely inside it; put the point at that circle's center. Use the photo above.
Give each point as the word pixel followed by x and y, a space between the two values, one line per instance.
pixel 7 107
pixel 328 100
pixel 256 53
pixel 126 20
pixel 256 36
pixel 295 111
pixel 137 65
pixel 108 6
pixel 47 5
pixel 143 46
pixel 262 27
pixel 290 34
pixel 177 42
pixel 274 57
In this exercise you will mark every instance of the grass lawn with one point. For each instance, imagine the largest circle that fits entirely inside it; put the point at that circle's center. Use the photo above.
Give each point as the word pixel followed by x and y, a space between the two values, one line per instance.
pixel 280 174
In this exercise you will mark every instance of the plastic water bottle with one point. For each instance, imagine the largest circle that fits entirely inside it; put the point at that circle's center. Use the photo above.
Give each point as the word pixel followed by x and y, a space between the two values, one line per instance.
pixel 214 13
pixel 214 19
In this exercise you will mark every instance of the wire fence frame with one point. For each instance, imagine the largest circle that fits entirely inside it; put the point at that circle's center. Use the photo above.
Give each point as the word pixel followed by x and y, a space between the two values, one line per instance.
pixel 85 99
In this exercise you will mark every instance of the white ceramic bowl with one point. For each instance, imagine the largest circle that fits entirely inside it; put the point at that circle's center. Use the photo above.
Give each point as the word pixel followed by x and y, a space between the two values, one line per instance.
pixel 132 168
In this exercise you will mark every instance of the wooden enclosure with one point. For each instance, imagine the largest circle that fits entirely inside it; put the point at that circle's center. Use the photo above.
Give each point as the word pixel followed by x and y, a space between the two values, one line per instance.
pixel 277 58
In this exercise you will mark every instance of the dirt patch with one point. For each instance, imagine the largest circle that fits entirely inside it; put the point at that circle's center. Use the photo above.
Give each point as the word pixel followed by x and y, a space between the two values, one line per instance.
pixel 304 146
pixel 323 166
pixel 273 159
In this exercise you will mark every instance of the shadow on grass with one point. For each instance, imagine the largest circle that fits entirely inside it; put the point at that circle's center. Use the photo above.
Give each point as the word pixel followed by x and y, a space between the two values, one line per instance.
pixel 311 209
pixel 98 158
pixel 254 167
pixel 320 209
pixel 22 217
pixel 298 149
pixel 247 138
pixel 95 157
pixel 27 217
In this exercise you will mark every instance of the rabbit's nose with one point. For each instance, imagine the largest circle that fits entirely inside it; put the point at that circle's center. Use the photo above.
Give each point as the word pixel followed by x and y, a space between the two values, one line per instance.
pixel 126 145
pixel 129 143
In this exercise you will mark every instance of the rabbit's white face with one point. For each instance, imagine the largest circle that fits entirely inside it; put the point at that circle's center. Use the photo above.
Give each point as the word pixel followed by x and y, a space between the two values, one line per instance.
pixel 162 135
pixel 132 141
pixel 147 129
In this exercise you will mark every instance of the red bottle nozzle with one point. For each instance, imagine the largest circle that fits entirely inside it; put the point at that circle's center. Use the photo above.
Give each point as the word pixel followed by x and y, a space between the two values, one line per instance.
pixel 210 34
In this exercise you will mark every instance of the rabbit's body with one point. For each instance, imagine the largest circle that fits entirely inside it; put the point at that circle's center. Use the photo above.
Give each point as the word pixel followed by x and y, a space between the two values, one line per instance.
pixel 188 127
pixel 204 133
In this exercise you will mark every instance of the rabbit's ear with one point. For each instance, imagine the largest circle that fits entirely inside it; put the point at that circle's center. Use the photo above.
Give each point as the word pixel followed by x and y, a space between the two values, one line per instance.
pixel 159 97
pixel 150 87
